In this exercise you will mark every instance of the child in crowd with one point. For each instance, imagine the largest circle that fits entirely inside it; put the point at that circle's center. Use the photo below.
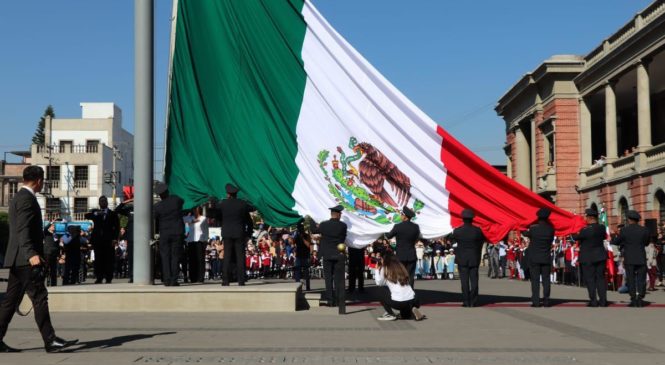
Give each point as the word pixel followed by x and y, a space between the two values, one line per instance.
pixel 450 264
pixel 439 264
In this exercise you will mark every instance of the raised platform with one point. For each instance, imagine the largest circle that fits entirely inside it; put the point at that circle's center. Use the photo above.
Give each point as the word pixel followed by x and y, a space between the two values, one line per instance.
pixel 254 297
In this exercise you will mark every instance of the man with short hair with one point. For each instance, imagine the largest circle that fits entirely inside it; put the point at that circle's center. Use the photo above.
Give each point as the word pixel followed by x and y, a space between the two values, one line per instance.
pixel 171 229
pixel 333 232
pixel 237 227
pixel 470 240
pixel 539 259
pixel 25 260
pixel 592 258
pixel 407 235
pixel 633 240
pixel 105 230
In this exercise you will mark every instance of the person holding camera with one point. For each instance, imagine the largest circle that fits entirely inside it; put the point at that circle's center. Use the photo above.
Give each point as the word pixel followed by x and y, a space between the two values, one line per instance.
pixel 391 273
pixel 25 259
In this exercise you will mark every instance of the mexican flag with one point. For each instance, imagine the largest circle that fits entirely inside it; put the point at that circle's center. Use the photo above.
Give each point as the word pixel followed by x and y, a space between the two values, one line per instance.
pixel 265 94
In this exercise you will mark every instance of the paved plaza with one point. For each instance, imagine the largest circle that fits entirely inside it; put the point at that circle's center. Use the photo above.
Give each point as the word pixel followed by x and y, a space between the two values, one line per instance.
pixel 502 331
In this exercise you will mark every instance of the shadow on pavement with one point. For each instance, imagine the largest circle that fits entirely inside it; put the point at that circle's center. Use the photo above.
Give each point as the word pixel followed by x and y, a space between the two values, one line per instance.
pixel 113 342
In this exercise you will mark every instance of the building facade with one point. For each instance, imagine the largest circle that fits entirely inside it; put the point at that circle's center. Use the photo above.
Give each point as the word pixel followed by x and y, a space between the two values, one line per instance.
pixel 589 131
pixel 84 159
pixel 11 178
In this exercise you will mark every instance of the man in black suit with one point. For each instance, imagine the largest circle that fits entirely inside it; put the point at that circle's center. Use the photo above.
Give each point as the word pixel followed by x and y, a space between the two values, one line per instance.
pixel 171 229
pixel 51 253
pixel 633 240
pixel 407 235
pixel 470 240
pixel 540 256
pixel 25 260
pixel 333 232
pixel 105 230
pixel 237 227
pixel 592 258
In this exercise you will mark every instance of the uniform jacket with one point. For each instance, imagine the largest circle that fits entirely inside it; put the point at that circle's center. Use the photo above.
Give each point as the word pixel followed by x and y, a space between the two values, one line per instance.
pixel 540 247
pixel 333 232
pixel 233 214
pixel 26 235
pixel 633 239
pixel 106 228
pixel 407 234
pixel 592 247
pixel 168 216
pixel 470 240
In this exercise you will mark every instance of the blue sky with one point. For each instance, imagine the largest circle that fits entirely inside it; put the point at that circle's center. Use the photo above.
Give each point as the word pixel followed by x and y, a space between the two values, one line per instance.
pixel 454 59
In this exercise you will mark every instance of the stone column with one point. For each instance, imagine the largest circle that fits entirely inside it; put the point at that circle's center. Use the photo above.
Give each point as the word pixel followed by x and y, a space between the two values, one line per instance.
pixel 585 135
pixel 533 157
pixel 643 106
pixel 610 123
pixel 522 156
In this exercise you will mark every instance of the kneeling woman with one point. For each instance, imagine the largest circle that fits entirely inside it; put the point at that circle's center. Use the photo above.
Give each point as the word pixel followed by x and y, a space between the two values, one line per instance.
pixel 391 273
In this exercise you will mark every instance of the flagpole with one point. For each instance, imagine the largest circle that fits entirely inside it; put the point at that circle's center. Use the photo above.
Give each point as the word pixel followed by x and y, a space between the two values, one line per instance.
pixel 143 143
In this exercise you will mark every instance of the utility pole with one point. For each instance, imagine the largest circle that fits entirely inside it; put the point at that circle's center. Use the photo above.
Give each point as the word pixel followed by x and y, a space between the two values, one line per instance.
pixel 115 174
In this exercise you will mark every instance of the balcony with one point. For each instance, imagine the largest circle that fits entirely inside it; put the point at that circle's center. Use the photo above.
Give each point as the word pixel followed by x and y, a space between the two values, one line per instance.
pixel 624 168
pixel 52 184
pixel 80 184
pixel 547 182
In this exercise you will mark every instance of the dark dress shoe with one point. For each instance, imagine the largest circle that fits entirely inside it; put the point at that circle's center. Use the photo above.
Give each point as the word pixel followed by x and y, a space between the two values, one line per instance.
pixel 592 305
pixel 535 305
pixel 639 303
pixel 59 344
pixel 546 303
pixel 633 303
pixel 225 284
pixel 603 304
pixel 175 284
pixel 98 281
pixel 4 348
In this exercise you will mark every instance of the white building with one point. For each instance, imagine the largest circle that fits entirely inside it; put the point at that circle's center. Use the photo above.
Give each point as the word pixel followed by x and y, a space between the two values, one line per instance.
pixel 84 159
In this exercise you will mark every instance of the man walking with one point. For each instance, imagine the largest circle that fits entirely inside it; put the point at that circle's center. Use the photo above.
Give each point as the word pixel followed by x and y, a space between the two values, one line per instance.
pixel 25 260
pixel 237 226
pixel 633 239
pixel 171 229
pixel 592 259
pixel 470 241
pixel 407 235
pixel 106 228
pixel 540 256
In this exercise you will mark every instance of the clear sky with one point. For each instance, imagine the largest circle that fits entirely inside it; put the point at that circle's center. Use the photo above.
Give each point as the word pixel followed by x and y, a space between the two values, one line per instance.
pixel 454 59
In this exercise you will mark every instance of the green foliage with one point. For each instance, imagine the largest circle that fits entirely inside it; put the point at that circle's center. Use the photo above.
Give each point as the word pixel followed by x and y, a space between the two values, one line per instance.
pixel 39 137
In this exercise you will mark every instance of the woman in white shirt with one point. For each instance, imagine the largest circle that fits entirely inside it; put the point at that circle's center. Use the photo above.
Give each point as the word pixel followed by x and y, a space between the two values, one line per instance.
pixel 391 273
pixel 197 238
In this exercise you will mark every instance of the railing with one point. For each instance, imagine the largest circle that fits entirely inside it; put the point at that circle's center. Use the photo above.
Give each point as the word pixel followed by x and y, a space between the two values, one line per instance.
pixel 624 166
pixel 656 156
pixel 53 184
pixel 67 148
pixel 79 216
pixel 547 182
pixel 80 184
pixel 643 18
pixel 594 175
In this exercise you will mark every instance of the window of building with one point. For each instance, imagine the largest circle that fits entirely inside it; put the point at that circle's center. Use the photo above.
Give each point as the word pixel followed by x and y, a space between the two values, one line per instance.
pixel 80 177
pixel 13 189
pixel 660 202
pixel 550 150
pixel 53 177
pixel 92 146
pixel 80 208
pixel 53 208
pixel 623 210
pixel 66 146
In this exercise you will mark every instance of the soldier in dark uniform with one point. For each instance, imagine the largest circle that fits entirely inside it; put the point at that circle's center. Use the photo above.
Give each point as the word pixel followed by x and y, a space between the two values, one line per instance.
pixel 105 230
pixel 333 232
pixel 407 234
pixel 51 253
pixel 540 256
pixel 171 229
pixel 237 226
pixel 356 269
pixel 633 240
pixel 592 259
pixel 470 240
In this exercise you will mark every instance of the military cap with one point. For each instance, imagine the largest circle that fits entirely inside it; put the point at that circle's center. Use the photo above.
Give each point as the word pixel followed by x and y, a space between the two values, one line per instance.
pixel 231 189
pixel 408 212
pixel 631 214
pixel 590 212
pixel 543 213
pixel 468 214
pixel 337 208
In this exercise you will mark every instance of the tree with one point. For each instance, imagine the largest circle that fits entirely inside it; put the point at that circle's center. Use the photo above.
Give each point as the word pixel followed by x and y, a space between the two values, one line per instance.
pixel 39 137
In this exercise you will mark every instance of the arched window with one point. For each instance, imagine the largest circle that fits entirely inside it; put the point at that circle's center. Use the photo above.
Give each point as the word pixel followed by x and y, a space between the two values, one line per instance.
pixel 660 206
pixel 623 209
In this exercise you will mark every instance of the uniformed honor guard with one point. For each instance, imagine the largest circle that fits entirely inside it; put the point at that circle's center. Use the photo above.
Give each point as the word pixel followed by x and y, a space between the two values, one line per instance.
pixel 407 235
pixel 541 237
pixel 237 226
pixel 592 259
pixel 633 240
pixel 105 230
pixel 470 240
pixel 171 229
pixel 333 232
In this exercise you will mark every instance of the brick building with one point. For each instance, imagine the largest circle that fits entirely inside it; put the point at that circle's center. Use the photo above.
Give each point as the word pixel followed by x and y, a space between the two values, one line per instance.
pixel 590 130
pixel 11 178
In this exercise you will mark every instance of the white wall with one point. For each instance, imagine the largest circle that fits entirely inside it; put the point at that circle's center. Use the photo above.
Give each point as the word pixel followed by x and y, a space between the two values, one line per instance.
pixel 93 178
pixel 80 137
pixel 98 110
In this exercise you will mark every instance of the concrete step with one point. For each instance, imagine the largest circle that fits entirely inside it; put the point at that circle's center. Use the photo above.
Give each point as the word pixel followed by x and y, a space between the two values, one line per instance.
pixel 256 296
